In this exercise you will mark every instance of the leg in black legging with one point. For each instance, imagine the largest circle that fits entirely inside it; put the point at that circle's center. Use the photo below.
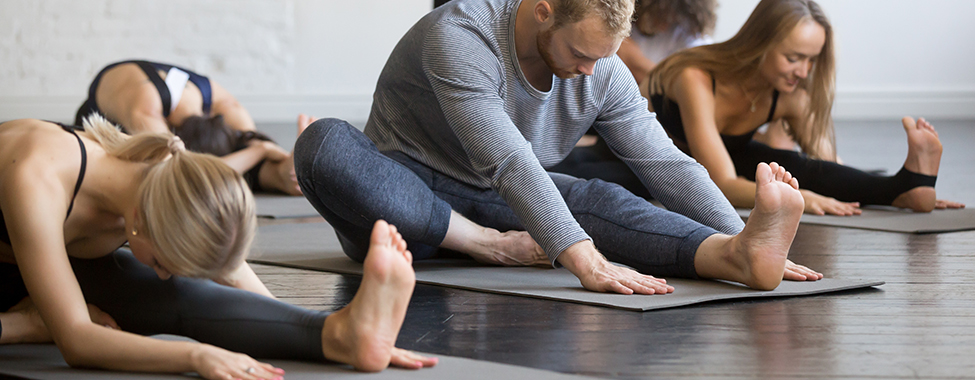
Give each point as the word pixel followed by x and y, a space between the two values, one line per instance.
pixel 226 317
pixel 829 178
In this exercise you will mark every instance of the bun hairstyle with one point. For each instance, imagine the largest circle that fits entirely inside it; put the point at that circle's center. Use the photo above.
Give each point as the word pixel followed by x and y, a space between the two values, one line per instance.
pixel 196 211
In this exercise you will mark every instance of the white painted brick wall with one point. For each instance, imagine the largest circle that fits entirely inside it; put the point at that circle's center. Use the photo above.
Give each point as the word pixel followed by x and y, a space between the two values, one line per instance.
pixel 55 47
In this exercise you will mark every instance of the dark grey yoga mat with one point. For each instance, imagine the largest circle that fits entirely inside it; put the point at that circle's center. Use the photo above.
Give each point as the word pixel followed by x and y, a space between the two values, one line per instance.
pixel 44 361
pixel 283 206
pixel 895 220
pixel 313 246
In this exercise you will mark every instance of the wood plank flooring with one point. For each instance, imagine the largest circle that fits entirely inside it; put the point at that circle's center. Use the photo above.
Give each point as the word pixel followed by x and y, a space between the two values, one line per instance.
pixel 921 324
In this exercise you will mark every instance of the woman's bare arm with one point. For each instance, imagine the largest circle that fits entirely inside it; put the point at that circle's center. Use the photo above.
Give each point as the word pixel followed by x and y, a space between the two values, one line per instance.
pixel 692 92
pixel 245 278
pixel 38 243
pixel 234 114
pixel 634 59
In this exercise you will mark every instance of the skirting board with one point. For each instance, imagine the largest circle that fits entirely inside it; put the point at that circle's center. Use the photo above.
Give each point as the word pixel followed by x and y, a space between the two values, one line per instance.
pixel 278 108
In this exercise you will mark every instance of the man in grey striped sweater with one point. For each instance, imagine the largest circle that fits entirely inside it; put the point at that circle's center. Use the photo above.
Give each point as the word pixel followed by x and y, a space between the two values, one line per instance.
pixel 477 99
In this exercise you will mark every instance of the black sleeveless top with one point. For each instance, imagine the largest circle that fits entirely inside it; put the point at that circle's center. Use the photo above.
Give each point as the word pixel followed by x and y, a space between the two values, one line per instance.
pixel 4 235
pixel 668 114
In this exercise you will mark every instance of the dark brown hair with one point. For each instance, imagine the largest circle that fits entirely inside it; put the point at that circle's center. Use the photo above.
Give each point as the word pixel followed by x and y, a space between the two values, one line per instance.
pixel 696 16
pixel 211 135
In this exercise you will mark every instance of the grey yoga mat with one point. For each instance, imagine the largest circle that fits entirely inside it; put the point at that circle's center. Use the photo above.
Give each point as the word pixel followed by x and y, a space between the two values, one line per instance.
pixel 283 206
pixel 895 220
pixel 313 246
pixel 44 361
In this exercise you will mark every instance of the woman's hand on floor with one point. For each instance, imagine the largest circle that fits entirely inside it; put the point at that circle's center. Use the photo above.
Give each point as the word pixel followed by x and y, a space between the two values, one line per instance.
pixel 796 272
pixel 215 363
pixel 819 205
pixel 942 204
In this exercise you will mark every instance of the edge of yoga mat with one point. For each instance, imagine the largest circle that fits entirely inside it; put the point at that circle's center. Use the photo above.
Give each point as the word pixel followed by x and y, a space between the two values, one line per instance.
pixel 44 361
pixel 891 219
pixel 560 285
pixel 274 206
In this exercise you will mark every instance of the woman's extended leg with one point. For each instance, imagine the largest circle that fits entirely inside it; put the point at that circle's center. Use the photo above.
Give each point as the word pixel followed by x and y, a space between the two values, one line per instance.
pixel 361 334
pixel 912 187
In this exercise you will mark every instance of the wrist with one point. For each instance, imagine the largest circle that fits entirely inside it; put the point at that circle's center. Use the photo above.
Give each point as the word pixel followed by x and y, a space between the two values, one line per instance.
pixel 580 257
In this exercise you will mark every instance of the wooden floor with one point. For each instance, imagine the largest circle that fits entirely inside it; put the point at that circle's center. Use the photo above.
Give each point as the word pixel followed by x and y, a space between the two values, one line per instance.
pixel 921 324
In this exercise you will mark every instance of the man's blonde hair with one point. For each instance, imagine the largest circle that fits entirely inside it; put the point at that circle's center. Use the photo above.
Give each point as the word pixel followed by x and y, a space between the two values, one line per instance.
pixel 616 14
pixel 196 211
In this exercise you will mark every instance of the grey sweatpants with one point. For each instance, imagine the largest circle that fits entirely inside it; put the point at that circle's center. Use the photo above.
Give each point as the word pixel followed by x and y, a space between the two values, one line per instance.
pixel 352 185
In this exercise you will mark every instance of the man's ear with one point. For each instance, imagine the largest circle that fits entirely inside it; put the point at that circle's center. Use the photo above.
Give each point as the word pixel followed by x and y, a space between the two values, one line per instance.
pixel 543 12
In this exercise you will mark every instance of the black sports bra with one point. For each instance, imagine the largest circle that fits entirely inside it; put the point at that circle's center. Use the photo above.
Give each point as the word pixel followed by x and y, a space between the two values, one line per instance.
pixel 4 235
pixel 668 114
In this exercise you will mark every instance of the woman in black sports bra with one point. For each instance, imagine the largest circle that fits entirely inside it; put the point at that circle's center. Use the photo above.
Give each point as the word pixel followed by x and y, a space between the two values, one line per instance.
pixel 150 96
pixel 711 100
pixel 70 199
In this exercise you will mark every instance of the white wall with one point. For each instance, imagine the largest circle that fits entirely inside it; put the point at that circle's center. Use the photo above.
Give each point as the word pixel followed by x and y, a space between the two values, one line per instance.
pixel 895 57
pixel 281 57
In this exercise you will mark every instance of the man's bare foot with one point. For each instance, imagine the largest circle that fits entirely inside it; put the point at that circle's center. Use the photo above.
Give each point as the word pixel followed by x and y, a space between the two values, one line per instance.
pixel 490 246
pixel 364 332
pixel 757 256
pixel 923 157
pixel 512 248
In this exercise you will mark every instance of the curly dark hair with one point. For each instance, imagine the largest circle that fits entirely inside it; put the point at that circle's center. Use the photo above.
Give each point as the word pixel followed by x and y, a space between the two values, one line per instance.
pixel 697 16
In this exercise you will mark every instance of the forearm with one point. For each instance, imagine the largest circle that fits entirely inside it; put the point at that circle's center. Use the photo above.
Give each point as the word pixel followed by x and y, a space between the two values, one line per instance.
pixel 235 116
pixel 244 278
pixel 96 346
pixel 740 191
pixel 245 159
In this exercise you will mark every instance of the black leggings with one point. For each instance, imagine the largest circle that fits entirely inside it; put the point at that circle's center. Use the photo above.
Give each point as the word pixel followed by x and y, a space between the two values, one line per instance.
pixel 822 177
pixel 141 303
pixel 829 178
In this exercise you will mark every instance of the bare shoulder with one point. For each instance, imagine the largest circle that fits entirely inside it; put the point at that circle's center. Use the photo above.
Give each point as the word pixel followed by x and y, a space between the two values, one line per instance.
pixel 37 148
pixel 691 82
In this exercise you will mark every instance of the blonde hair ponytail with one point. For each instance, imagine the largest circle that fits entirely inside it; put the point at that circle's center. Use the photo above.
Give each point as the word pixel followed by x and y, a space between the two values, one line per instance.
pixel 198 213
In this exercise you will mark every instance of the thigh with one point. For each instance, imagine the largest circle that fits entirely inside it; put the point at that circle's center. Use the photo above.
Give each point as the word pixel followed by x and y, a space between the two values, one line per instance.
pixel 352 185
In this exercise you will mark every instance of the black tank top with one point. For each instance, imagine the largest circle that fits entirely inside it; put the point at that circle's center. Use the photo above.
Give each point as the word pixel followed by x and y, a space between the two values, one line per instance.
pixel 4 235
pixel 668 114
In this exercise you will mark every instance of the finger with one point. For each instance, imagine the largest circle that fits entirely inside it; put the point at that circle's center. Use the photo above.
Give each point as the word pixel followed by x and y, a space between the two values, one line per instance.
pixel 658 285
pixel 617 287
pixel 409 359
pixel 792 275
pixel 639 288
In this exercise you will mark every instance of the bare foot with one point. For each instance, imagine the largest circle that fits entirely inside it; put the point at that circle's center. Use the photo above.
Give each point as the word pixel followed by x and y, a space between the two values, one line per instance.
pixel 923 157
pixel 757 256
pixel 490 246
pixel 304 121
pixel 364 332
pixel 512 248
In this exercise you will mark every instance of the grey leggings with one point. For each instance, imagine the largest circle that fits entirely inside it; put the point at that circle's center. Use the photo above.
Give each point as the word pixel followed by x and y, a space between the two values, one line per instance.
pixel 141 303
pixel 352 184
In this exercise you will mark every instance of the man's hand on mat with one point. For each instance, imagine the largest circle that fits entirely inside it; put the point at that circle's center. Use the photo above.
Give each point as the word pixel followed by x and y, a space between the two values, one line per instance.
pixel 796 272
pixel 599 275
pixel 215 363
pixel 819 205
